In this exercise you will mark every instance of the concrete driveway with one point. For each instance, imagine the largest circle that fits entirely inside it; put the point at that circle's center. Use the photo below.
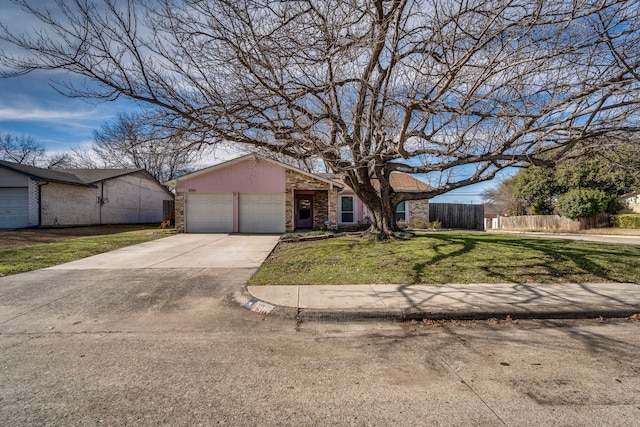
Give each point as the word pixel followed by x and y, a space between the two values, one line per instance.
pixel 184 251
pixel 177 282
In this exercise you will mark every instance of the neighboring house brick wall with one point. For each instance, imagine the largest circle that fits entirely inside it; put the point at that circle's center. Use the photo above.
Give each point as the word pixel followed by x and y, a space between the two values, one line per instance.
pixel 34 204
pixel 419 209
pixel 132 199
pixel 64 204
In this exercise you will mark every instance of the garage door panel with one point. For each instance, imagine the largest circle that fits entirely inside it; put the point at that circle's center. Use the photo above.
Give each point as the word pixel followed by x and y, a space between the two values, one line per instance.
pixel 209 213
pixel 14 207
pixel 261 213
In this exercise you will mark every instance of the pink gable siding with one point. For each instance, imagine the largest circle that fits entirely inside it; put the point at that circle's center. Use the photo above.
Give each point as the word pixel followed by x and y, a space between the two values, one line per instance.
pixel 248 176
pixel 360 208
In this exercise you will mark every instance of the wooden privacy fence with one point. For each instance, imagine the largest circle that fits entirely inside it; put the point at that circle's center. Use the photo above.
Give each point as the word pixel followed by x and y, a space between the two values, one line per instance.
pixel 453 215
pixel 169 210
pixel 553 222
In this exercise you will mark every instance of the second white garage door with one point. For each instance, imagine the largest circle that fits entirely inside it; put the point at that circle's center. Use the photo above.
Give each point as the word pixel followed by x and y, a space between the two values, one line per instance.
pixel 261 213
pixel 209 213
pixel 14 207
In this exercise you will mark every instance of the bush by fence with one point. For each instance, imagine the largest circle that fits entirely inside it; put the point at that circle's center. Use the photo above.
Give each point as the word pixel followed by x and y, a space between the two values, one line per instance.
pixel 626 220
pixel 554 222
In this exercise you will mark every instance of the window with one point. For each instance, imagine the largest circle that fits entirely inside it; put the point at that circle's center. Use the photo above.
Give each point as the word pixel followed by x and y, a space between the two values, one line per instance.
pixel 346 209
pixel 401 212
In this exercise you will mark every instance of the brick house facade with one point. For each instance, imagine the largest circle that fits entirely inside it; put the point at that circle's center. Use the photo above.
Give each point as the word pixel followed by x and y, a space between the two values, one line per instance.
pixel 71 197
pixel 256 194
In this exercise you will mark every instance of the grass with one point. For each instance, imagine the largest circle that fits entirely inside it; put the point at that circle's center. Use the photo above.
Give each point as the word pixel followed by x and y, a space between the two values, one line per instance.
pixel 21 259
pixel 449 257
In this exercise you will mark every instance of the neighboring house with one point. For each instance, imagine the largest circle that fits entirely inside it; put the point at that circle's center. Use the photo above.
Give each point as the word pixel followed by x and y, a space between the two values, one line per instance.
pixel 31 196
pixel 254 194
pixel 631 202
pixel 492 213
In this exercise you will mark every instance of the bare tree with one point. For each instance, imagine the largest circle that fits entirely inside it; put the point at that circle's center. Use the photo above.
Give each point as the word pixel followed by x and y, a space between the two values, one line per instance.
pixel 140 141
pixel 21 149
pixel 454 89
pixel 26 150
pixel 58 161
pixel 504 199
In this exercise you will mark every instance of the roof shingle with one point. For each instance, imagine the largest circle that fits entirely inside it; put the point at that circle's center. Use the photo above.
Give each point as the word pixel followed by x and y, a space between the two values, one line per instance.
pixel 82 177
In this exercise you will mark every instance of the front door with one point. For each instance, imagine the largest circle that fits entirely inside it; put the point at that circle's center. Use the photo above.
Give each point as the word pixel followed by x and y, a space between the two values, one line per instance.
pixel 304 211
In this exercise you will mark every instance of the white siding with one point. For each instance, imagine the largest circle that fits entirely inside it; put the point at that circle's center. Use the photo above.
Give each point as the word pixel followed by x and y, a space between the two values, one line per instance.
pixel 14 200
pixel 14 207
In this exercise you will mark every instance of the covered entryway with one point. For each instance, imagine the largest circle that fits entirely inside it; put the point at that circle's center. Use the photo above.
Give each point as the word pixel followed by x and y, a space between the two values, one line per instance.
pixel 261 213
pixel 14 207
pixel 304 211
pixel 209 212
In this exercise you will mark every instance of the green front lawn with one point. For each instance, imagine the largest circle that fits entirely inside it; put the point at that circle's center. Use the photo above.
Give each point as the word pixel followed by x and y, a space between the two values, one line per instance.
pixel 449 257
pixel 26 258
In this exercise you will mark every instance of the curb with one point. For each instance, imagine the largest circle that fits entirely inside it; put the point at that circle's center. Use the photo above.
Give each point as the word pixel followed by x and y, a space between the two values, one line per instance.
pixel 403 315
pixel 531 312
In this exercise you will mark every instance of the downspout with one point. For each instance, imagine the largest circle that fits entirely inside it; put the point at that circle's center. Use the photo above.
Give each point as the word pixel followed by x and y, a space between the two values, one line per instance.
pixel 101 202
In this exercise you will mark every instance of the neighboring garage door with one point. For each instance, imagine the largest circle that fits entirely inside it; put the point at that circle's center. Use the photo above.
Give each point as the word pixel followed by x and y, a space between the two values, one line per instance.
pixel 209 213
pixel 261 213
pixel 14 207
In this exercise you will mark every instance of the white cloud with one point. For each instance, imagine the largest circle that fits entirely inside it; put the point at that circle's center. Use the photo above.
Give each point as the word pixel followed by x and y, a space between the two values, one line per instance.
pixel 18 114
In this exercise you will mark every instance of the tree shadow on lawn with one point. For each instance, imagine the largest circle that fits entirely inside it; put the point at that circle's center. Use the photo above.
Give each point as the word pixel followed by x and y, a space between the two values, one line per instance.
pixel 576 257
pixel 557 261
pixel 446 241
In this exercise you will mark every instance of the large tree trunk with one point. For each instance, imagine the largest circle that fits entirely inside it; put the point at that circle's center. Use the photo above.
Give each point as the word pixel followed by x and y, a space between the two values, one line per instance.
pixel 382 220
pixel 381 204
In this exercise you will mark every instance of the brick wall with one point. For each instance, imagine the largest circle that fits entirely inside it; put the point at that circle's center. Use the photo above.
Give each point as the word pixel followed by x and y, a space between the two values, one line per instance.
pixel 320 209
pixel 180 200
pixel 130 199
pixel 322 201
pixel 419 209
pixel 34 204
pixel 63 204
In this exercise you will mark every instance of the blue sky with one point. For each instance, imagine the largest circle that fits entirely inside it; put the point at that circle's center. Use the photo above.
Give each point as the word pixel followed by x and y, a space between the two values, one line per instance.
pixel 30 106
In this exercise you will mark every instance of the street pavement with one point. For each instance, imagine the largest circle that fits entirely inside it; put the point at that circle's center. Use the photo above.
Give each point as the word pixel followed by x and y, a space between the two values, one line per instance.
pixel 110 341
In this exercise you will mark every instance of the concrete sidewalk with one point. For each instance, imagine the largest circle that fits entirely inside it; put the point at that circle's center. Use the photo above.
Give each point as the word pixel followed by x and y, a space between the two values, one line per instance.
pixel 470 301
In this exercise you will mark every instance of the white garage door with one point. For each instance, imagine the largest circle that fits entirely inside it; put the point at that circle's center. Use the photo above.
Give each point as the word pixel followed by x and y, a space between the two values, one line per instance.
pixel 209 213
pixel 261 213
pixel 14 207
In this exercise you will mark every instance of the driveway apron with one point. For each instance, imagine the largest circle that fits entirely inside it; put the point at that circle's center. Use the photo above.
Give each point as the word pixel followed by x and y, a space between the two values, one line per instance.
pixel 184 251
pixel 178 282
